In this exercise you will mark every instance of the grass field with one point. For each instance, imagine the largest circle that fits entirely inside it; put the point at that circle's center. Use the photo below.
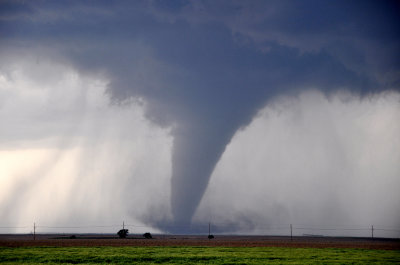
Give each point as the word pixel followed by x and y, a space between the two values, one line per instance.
pixel 195 255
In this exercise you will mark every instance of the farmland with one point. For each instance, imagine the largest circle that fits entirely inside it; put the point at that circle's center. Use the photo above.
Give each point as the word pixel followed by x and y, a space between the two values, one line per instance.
pixel 197 250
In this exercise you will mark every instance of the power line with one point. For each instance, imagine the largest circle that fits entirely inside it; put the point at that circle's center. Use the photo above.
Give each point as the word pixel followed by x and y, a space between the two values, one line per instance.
pixel 13 227
pixel 263 228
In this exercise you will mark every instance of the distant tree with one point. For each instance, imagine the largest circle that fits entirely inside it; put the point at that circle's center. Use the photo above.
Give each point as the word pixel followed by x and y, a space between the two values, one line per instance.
pixel 147 235
pixel 122 233
pixel 210 236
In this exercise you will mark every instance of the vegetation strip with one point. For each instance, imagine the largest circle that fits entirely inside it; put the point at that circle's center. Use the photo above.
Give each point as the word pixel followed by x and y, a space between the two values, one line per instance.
pixel 195 255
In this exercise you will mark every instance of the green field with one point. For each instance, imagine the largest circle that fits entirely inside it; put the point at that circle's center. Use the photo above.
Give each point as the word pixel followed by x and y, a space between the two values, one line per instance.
pixel 195 255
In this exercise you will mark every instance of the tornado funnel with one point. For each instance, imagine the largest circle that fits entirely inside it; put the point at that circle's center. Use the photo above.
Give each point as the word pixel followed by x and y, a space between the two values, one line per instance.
pixel 195 155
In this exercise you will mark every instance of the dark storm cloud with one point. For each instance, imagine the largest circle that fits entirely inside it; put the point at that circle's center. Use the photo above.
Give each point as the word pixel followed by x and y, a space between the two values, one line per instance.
pixel 206 68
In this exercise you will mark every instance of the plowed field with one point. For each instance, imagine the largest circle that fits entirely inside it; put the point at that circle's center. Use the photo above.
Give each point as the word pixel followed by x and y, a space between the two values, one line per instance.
pixel 220 241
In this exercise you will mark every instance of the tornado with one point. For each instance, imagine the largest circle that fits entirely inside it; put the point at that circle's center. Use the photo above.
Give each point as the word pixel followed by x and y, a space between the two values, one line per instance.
pixel 196 151
pixel 204 69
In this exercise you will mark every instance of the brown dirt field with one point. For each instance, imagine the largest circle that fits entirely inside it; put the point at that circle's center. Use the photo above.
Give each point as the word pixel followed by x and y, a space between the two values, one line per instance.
pixel 172 240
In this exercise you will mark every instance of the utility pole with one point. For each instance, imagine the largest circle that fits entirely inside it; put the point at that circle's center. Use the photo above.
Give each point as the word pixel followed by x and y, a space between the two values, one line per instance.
pixel 372 232
pixel 291 232
pixel 209 231
pixel 123 224
pixel 34 231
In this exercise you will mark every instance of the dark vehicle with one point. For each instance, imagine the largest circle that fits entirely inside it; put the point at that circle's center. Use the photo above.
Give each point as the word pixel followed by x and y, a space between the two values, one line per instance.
pixel 147 235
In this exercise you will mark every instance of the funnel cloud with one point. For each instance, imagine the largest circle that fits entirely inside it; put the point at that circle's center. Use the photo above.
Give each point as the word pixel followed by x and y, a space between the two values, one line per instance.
pixel 203 70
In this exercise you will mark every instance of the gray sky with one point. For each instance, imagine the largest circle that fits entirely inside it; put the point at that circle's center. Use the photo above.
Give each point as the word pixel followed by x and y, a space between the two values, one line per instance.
pixel 250 114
